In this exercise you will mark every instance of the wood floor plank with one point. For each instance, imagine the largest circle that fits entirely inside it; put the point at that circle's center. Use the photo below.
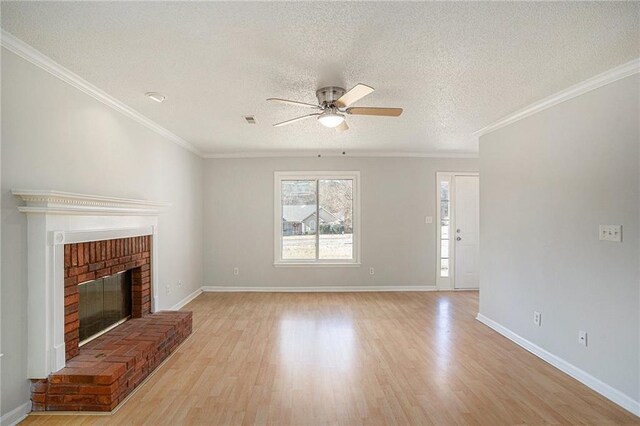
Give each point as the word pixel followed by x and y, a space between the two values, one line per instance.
pixel 351 359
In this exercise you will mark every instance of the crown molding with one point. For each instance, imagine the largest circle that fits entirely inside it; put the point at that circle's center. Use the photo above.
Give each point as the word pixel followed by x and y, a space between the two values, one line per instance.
pixel 58 202
pixel 610 76
pixel 354 154
pixel 37 58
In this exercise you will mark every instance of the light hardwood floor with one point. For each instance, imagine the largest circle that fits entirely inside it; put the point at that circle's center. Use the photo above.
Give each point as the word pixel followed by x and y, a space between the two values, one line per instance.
pixel 352 358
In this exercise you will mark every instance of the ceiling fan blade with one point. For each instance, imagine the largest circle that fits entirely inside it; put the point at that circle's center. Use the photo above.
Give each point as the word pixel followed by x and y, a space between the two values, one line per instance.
pixel 293 120
pixel 342 127
pixel 287 101
pixel 386 112
pixel 358 92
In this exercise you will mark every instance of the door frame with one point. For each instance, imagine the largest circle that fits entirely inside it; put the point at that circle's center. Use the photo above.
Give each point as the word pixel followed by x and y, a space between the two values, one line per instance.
pixel 447 283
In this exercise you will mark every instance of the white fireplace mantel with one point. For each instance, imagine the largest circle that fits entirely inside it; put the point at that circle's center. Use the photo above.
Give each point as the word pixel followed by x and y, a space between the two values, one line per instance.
pixel 58 202
pixel 56 218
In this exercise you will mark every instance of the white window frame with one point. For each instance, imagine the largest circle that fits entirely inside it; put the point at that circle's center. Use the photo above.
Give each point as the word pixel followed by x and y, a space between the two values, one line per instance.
pixel 279 176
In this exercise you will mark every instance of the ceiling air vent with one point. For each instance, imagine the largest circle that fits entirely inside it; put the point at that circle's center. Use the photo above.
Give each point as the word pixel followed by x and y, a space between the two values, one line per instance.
pixel 250 119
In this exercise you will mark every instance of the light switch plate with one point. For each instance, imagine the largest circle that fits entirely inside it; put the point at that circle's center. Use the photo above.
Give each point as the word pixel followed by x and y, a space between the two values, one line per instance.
pixel 610 233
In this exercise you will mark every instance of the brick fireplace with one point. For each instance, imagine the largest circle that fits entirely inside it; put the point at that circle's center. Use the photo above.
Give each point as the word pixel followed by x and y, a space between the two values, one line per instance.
pixel 91 260
pixel 73 240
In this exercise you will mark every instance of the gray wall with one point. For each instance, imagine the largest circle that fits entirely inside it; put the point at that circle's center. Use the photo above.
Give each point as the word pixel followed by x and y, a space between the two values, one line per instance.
pixel 56 137
pixel 396 194
pixel 547 182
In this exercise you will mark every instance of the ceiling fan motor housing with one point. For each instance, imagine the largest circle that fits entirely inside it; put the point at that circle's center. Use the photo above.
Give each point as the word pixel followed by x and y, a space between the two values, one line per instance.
pixel 328 95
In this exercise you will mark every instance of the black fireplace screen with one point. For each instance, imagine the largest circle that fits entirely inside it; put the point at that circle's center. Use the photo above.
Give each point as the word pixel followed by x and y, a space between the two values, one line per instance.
pixel 103 303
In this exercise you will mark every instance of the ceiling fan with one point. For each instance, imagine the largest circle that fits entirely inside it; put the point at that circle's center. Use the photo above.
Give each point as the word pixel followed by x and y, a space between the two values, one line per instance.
pixel 334 104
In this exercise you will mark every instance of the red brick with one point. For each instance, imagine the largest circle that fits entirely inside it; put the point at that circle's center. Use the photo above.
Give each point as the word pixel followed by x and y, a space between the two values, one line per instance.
pixel 72 299
pixel 71 317
pixel 71 335
pixel 92 252
pixel 80 399
pixel 61 389
pixel 117 268
pixel 55 399
pixel 99 390
pixel 96 266
pixel 39 398
pixel 78 270
pixel 87 252
pixel 89 276
pixel 71 326
pixel 69 309
pixel 97 259
pixel 103 273
pixel 74 255
pixel 80 250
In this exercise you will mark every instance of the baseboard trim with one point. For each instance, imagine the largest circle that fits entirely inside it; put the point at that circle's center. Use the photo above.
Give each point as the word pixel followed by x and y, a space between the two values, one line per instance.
pixel 16 415
pixel 316 289
pixel 186 300
pixel 582 376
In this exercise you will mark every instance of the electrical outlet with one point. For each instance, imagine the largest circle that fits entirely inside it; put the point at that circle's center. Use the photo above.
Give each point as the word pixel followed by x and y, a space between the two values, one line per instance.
pixel 179 283
pixel 371 271
pixel 168 288
pixel 610 233
pixel 537 318
pixel 582 337
pixel 236 271
pixel 428 219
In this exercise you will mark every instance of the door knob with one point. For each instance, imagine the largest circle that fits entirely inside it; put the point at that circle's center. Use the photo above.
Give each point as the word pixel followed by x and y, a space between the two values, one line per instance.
pixel 458 239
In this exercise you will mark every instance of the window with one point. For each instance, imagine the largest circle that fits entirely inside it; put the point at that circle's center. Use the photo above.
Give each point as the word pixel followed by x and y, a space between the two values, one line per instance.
pixel 445 222
pixel 317 218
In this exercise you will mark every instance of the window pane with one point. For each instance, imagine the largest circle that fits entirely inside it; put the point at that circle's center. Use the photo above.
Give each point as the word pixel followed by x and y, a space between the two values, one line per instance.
pixel 444 249
pixel 336 219
pixel 444 191
pixel 444 267
pixel 444 211
pixel 444 229
pixel 444 234
pixel 298 219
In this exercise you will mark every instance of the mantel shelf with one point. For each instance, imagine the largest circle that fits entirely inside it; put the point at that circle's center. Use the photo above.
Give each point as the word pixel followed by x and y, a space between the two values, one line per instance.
pixel 58 202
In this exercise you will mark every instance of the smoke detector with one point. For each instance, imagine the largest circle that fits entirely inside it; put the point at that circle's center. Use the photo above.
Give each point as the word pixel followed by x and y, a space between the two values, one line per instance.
pixel 155 96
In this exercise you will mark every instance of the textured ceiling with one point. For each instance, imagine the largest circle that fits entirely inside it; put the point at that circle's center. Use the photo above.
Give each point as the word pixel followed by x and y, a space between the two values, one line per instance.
pixel 453 67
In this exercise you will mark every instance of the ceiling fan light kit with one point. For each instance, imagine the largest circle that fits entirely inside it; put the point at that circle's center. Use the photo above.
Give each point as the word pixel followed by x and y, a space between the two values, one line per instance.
pixel 333 102
pixel 331 119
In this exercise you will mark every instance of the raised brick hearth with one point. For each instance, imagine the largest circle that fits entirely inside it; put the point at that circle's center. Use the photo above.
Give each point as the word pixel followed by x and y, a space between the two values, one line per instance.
pixel 100 374
pixel 108 368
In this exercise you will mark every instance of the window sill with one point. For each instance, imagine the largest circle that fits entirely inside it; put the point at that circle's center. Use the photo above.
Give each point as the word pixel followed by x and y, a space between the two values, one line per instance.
pixel 317 264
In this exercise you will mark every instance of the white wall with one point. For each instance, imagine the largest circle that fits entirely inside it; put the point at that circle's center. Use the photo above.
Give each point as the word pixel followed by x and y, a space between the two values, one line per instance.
pixel 547 182
pixel 56 137
pixel 396 194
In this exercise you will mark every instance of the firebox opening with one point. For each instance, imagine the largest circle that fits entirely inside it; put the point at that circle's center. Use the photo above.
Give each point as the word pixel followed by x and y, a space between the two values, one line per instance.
pixel 104 304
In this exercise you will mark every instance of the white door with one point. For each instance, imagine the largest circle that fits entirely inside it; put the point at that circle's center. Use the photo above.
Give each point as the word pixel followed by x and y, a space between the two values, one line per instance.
pixel 466 233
